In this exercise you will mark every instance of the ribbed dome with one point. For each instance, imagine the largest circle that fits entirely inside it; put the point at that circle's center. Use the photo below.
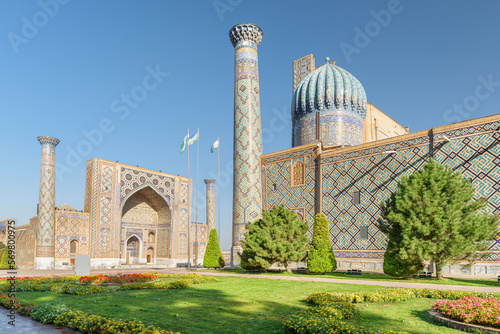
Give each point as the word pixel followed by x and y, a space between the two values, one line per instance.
pixel 329 87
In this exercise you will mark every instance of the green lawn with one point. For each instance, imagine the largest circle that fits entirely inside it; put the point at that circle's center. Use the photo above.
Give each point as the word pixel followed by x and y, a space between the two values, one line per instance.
pixel 235 305
pixel 374 277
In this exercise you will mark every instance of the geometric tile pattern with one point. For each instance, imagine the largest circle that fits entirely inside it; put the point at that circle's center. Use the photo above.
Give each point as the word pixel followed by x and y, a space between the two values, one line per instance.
pixel 62 248
pixel 301 68
pixel 277 176
pixel 473 150
pixel 247 191
pixel 210 204
pixel 131 179
pixel 46 203
pixel 163 242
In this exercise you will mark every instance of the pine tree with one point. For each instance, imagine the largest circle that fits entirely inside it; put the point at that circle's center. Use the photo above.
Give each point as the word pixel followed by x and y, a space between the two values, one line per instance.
pixel 433 216
pixel 279 237
pixel 213 255
pixel 321 259
pixel 395 266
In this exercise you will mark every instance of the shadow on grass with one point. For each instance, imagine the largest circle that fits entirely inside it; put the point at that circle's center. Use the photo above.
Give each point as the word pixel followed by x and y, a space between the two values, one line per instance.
pixel 370 277
pixel 190 310
pixel 424 316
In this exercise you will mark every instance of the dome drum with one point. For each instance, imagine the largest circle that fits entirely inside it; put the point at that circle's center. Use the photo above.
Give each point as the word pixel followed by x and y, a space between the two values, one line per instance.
pixel 337 127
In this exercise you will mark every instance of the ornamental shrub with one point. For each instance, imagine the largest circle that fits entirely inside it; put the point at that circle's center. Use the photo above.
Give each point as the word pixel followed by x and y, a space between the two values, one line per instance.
pixel 213 255
pixel 5 263
pixel 321 259
pixel 398 267
pixel 47 313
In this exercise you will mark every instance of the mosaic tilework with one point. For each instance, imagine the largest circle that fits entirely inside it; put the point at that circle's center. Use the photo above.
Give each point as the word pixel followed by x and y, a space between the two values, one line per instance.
pixel 210 204
pixel 62 246
pixel 473 150
pixel 247 129
pixel 301 68
pixel 292 197
pixel 46 223
pixel 341 100
pixel 131 179
pixel 163 248
pixel 337 127
pixel 104 241
pixel 62 223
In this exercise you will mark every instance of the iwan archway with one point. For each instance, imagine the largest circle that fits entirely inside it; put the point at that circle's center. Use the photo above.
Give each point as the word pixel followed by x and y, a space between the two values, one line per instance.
pixel 145 226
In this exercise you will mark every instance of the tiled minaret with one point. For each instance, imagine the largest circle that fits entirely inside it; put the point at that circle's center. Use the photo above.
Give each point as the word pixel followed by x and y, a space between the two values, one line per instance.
pixel 210 205
pixel 247 192
pixel 46 205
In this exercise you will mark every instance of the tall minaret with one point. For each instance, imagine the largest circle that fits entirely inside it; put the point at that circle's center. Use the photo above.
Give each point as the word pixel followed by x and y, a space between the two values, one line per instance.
pixel 46 205
pixel 247 192
pixel 210 205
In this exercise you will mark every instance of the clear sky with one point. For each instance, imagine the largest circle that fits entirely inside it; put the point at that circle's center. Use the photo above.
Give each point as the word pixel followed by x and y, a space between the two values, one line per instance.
pixel 66 65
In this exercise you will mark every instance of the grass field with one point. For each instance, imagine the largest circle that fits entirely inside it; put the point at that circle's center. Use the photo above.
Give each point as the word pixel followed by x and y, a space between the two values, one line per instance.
pixel 375 277
pixel 240 305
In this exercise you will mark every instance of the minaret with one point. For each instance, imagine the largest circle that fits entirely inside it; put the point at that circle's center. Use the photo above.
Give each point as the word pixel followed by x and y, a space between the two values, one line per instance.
pixel 46 205
pixel 210 205
pixel 247 192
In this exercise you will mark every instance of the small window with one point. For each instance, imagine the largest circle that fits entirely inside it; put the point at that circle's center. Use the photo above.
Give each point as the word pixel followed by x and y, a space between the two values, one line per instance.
pixel 364 232
pixel 274 186
pixel 298 171
pixel 356 197
pixel 73 247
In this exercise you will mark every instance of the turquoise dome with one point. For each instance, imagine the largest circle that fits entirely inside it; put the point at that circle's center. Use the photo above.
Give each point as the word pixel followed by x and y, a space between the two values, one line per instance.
pixel 339 99
pixel 328 87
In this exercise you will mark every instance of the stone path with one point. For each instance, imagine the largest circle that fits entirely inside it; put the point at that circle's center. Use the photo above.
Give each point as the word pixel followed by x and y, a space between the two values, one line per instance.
pixel 25 325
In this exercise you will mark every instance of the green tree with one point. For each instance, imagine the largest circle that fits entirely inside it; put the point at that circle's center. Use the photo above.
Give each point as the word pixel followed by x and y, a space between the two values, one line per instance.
pixel 213 255
pixel 279 237
pixel 5 263
pixel 321 259
pixel 433 216
pixel 395 266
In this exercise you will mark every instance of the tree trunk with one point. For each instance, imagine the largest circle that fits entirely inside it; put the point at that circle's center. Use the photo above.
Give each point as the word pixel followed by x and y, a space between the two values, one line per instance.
pixel 288 269
pixel 439 270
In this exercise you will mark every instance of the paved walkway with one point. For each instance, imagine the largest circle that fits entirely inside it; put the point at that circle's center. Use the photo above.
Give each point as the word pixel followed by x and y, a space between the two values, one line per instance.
pixel 25 325
pixel 28 325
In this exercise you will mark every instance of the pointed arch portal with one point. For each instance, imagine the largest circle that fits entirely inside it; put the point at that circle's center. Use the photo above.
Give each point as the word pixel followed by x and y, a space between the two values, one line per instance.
pixel 145 213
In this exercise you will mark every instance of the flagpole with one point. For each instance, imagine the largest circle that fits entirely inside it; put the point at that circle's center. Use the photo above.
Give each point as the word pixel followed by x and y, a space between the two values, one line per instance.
pixel 197 169
pixel 218 184
pixel 189 217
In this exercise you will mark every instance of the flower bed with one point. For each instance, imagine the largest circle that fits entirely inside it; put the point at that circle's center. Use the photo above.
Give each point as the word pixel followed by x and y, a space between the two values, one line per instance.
pixel 118 279
pixel 330 309
pixel 68 287
pixel 482 311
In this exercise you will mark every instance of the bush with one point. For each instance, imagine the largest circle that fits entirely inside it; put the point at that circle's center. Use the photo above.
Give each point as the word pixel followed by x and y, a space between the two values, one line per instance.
pixel 397 267
pixel 321 258
pixel 47 313
pixel 213 255
pixel 5 262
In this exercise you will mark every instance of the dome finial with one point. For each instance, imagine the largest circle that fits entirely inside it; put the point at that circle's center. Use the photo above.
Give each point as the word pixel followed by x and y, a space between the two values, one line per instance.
pixel 327 60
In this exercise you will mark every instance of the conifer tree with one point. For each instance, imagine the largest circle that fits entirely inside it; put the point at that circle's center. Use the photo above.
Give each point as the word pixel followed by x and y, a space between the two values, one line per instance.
pixel 395 266
pixel 433 216
pixel 213 255
pixel 321 259
pixel 279 237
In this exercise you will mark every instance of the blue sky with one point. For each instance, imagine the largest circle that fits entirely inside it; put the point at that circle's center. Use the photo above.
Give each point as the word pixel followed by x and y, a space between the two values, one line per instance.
pixel 65 66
